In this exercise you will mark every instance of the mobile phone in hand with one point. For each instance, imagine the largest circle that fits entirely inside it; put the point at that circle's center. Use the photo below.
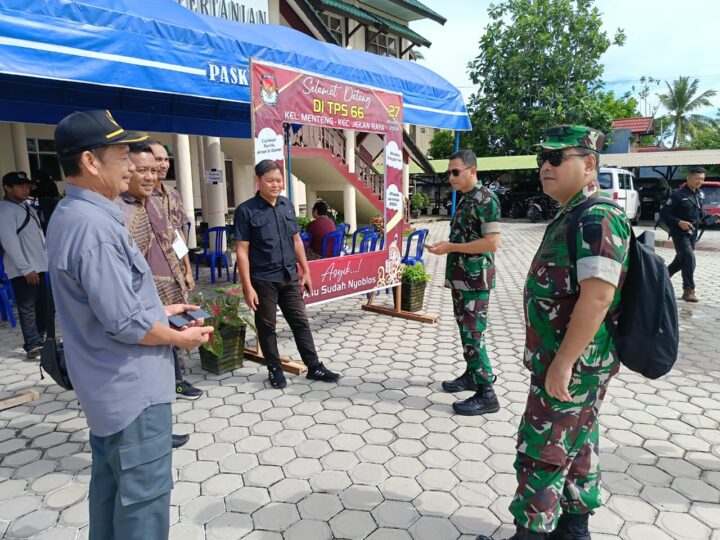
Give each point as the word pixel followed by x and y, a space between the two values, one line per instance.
pixel 426 245
pixel 307 288
pixel 177 321
pixel 198 314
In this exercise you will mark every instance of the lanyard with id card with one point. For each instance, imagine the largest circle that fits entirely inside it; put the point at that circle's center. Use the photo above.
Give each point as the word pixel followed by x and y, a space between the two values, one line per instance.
pixel 179 246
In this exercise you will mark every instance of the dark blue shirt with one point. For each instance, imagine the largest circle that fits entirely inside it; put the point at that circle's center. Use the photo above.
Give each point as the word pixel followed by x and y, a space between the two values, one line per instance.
pixel 683 205
pixel 270 231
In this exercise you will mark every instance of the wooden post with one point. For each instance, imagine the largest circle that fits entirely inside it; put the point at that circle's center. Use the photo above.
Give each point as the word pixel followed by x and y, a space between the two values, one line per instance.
pixel 287 364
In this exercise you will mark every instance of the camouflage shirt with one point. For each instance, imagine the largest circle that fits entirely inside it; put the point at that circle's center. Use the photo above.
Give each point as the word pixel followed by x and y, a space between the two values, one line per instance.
pixel 551 288
pixel 477 214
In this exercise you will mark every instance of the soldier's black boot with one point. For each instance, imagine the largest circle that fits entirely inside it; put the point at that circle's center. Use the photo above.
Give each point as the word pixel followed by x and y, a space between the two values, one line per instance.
pixel 483 402
pixel 463 382
pixel 572 527
pixel 522 533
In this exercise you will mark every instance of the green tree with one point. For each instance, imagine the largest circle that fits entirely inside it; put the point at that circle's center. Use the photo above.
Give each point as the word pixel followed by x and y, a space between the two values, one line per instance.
pixel 708 137
pixel 538 65
pixel 442 145
pixel 680 101
pixel 625 106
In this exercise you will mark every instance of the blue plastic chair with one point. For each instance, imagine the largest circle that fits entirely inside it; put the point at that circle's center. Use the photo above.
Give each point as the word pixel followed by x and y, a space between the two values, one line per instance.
pixel 306 237
pixel 7 297
pixel 369 242
pixel 359 233
pixel 215 256
pixel 337 237
pixel 345 228
pixel 420 236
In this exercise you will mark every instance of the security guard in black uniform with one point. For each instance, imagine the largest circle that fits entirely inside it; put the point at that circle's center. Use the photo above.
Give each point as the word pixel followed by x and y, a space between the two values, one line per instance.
pixel 683 213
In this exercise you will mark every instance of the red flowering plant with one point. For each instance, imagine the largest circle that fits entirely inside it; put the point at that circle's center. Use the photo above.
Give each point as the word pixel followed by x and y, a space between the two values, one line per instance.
pixel 228 310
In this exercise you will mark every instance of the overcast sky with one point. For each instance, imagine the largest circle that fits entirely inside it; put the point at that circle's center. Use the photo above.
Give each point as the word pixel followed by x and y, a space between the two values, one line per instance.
pixel 665 39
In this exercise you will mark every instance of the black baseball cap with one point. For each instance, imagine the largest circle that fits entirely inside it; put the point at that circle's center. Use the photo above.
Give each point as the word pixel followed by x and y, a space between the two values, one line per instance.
pixel 16 178
pixel 695 169
pixel 87 130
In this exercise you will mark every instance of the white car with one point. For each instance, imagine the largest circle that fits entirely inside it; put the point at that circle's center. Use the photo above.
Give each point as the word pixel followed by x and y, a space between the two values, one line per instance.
pixel 619 185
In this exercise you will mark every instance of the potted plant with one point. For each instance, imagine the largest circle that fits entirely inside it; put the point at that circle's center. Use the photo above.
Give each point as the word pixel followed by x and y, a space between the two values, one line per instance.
pixel 303 222
pixel 224 351
pixel 425 204
pixel 414 281
pixel 416 203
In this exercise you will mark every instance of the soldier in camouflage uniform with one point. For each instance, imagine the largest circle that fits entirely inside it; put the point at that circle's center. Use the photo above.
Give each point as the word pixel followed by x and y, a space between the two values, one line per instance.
pixel 470 274
pixel 568 350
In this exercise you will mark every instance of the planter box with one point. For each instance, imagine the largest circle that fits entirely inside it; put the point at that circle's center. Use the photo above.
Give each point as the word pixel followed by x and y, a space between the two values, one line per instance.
pixel 413 296
pixel 233 353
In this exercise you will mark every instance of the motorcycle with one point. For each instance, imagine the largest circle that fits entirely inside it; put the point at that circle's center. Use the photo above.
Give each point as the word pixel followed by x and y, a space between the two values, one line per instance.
pixel 541 208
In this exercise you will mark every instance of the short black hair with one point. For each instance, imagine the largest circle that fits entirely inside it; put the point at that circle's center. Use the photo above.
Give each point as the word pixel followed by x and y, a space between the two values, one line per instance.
pixel 468 157
pixel 266 166
pixel 71 164
pixel 321 208
pixel 696 169
pixel 138 147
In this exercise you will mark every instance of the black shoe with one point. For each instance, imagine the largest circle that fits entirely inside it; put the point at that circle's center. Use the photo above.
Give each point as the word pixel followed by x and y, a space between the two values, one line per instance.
pixel 179 440
pixel 34 352
pixel 276 377
pixel 185 390
pixel 483 402
pixel 522 534
pixel 463 382
pixel 571 527
pixel 321 373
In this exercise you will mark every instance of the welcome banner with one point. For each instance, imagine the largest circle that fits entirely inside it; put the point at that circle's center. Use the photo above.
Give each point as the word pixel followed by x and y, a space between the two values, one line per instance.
pixel 283 96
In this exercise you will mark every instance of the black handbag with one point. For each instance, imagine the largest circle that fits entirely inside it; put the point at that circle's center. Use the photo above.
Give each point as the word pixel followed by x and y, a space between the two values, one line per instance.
pixel 52 356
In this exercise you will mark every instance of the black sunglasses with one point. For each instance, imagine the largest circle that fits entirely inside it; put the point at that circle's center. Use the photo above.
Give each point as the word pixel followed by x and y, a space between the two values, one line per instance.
pixel 556 157
pixel 456 172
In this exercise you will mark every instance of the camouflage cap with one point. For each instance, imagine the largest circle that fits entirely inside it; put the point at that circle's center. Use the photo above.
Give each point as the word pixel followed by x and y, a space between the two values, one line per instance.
pixel 565 136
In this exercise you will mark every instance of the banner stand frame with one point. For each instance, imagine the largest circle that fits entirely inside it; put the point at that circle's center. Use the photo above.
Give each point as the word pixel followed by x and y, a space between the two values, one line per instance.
pixel 397 311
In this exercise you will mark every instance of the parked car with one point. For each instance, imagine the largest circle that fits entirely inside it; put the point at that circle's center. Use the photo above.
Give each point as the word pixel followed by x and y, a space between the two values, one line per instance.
pixel 619 185
pixel 653 194
pixel 711 204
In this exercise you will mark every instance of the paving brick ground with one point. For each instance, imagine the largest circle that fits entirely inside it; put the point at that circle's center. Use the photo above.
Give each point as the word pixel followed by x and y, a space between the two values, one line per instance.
pixel 380 455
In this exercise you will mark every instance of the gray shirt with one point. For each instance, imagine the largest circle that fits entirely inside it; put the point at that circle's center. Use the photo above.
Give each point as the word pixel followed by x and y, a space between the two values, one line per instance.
pixel 24 251
pixel 106 302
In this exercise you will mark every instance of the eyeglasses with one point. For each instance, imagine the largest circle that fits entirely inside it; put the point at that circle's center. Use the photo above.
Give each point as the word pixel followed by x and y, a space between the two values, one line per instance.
pixel 556 157
pixel 456 172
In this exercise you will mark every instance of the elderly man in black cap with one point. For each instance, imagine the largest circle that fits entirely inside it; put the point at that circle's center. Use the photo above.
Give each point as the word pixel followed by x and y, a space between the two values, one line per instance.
pixel 25 258
pixel 115 331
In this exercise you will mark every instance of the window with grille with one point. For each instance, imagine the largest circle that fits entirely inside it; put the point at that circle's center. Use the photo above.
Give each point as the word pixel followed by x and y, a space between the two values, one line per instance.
pixel 336 25
pixel 383 44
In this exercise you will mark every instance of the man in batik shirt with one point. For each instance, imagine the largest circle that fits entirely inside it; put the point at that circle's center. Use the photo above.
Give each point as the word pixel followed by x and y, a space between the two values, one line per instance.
pixel 149 229
pixel 168 201
pixel 568 349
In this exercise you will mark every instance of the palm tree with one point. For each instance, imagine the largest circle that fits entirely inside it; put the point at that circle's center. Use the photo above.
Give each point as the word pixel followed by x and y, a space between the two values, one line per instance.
pixel 680 101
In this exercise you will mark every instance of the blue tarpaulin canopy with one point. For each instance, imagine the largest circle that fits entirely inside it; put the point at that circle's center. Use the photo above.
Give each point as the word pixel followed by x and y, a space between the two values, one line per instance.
pixel 158 65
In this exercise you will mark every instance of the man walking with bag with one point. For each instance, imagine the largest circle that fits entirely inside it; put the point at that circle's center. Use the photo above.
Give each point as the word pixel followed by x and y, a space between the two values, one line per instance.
pixel 25 259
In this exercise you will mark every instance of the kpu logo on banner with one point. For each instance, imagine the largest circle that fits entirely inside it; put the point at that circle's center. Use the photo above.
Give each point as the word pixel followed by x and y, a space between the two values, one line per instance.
pixel 227 73
pixel 269 89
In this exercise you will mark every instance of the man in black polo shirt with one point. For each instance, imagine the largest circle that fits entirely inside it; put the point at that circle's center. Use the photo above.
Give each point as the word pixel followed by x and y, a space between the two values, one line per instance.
pixel 268 251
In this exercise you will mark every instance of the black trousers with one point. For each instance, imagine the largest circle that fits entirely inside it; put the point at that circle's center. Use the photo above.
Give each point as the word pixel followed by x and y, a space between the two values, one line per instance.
pixel 287 295
pixel 33 302
pixel 684 261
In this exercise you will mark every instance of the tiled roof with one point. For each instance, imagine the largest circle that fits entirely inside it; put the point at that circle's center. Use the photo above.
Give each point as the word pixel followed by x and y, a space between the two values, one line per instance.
pixel 374 20
pixel 640 125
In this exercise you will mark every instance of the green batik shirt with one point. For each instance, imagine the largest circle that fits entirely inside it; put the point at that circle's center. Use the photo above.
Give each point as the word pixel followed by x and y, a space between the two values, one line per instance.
pixel 551 288
pixel 477 214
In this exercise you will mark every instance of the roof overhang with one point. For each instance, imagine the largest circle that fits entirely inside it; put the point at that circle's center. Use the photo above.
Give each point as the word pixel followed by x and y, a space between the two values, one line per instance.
pixel 662 159
pixel 406 10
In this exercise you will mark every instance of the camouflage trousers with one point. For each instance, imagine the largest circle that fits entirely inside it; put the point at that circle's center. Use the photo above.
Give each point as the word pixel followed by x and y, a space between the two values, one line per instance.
pixel 557 463
pixel 471 308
